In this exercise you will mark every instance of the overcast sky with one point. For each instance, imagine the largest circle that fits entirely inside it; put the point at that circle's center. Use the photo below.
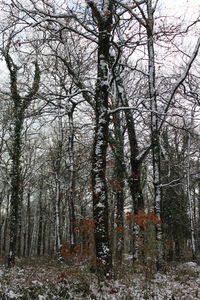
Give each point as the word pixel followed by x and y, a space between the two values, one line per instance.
pixel 191 8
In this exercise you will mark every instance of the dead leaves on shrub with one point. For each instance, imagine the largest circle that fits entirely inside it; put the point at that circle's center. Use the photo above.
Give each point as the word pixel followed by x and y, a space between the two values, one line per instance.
pixel 143 219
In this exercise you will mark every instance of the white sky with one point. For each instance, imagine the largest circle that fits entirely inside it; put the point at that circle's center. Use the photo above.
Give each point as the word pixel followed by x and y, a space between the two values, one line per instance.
pixel 189 8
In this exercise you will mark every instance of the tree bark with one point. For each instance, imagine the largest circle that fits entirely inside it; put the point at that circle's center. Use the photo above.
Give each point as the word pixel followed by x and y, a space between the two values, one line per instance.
pixel 100 196
pixel 154 126
pixel 20 105
pixel 15 186
pixel 190 202
pixel 119 184
pixel 71 187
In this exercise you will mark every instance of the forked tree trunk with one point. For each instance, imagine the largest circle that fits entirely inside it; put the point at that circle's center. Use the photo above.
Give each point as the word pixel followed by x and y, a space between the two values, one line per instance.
pixel 134 179
pixel 20 104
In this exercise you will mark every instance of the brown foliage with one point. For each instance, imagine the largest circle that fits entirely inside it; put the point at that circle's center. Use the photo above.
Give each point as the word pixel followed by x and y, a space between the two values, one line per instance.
pixel 86 228
pixel 119 228
pixel 143 218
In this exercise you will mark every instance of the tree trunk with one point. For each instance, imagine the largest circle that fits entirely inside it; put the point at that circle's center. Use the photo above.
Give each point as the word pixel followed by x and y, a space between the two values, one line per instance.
pixel 154 127
pixel 190 202
pixel 20 104
pixel 134 179
pixel 119 186
pixel 71 188
pixel 57 236
pixel 28 241
pixel 100 196
pixel 40 222
pixel 15 187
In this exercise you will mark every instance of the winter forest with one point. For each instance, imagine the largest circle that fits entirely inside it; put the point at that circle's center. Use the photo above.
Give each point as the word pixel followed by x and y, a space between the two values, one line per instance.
pixel 99 149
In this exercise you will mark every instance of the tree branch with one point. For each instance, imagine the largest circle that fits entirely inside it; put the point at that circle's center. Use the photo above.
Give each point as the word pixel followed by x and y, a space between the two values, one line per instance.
pixel 181 80
pixel 35 87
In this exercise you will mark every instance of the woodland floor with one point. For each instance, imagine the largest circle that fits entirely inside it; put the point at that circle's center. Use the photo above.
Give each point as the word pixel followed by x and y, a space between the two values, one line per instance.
pixel 47 279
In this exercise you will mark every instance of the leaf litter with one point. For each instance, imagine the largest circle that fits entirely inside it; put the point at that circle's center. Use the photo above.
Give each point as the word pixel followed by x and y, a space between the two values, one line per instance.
pixel 50 279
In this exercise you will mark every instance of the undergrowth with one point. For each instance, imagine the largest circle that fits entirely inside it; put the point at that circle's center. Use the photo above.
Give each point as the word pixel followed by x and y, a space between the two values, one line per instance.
pixel 50 279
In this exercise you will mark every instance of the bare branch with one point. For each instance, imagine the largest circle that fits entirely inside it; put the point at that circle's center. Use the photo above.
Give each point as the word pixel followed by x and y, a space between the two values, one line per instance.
pixel 181 80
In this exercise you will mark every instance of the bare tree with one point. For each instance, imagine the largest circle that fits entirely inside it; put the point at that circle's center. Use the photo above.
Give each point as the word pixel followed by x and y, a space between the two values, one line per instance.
pixel 20 104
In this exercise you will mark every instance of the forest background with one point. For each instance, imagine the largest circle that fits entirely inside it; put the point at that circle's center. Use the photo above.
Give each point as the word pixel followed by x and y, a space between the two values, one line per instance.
pixel 99 138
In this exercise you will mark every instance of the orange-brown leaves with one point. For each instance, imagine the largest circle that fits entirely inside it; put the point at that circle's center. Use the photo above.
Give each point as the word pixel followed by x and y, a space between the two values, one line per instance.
pixel 65 250
pixel 87 225
pixel 85 228
pixel 119 228
pixel 143 218
pixel 115 186
pixel 111 180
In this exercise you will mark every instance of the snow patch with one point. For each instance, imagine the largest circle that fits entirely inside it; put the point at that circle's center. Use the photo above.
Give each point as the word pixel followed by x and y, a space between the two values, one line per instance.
pixel 12 295
pixel 190 265
pixel 100 205
pixel 40 297
pixel 36 282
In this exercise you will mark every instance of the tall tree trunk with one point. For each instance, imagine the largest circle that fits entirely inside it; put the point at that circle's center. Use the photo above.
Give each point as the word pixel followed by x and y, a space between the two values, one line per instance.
pixel 21 222
pixel 44 237
pixel 28 240
pixel 154 126
pixel 71 187
pixel 57 170
pixel 40 221
pixel 190 202
pixel 119 186
pixel 134 179
pixel 57 236
pixel 15 187
pixel 6 225
pixel 20 104
pixel 100 196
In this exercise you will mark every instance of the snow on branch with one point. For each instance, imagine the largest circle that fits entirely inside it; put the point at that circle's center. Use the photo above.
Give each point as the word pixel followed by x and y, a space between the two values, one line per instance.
pixel 111 111
pixel 171 183
pixel 140 157
pixel 181 79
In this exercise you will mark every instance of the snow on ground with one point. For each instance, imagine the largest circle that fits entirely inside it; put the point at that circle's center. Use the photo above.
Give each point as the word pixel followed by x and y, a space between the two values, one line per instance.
pixel 46 280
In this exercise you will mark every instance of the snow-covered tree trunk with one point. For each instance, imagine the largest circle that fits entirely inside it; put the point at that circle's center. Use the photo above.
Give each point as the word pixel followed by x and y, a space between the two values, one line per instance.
pixel 119 184
pixel 134 181
pixel 57 233
pixel 100 196
pixel 155 139
pixel 71 186
pixel 190 201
